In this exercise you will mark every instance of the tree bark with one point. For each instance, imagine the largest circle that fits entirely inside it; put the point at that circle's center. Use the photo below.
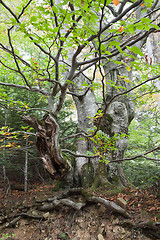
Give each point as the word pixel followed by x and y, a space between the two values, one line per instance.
pixel 26 168
pixel 118 116
pixel 86 105
pixel 48 145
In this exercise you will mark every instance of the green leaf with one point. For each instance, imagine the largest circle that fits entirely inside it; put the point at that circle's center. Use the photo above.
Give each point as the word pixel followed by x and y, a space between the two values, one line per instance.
pixel 108 53
pixel 135 50
pixel 33 19
pixel 40 8
pixel 63 236
pixel 55 29
pixel 89 153
pixel 55 10
pixel 84 84
pixel 146 20
pixel 114 43
pixel 103 47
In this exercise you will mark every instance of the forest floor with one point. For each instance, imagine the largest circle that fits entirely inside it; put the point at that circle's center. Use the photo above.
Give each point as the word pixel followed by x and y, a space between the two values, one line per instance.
pixel 91 222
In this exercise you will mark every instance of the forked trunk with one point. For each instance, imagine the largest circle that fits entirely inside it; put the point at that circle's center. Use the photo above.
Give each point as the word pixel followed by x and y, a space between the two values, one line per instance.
pixel 90 171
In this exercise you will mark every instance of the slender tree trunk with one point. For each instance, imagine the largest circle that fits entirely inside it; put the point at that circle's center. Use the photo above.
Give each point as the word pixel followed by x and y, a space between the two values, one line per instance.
pixel 26 168
pixel 4 173
pixel 4 156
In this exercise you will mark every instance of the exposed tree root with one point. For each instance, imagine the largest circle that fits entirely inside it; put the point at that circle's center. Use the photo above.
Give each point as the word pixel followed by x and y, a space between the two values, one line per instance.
pixel 64 199
pixel 57 203
pixel 61 200
pixel 77 198
pixel 110 204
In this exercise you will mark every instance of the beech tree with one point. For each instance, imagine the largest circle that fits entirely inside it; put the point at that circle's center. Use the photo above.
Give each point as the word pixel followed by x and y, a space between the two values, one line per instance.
pixel 87 50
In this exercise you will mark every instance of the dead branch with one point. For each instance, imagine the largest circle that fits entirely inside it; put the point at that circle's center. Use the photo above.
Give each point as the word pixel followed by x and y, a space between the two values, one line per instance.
pixel 13 222
pixel 17 217
pixel 48 145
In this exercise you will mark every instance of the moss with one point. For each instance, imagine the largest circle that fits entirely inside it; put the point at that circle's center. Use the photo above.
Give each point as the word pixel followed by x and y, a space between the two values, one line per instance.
pixel 117 182
pixel 96 182
pixel 86 194
pixel 60 184
pixel 67 159
pixel 101 178
pixel 87 175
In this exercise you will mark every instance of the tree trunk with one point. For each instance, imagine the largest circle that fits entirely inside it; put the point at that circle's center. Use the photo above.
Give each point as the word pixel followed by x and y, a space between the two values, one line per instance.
pixel 90 171
pixel 26 167
pixel 5 179
pixel 48 145
pixel 118 116
pixel 86 105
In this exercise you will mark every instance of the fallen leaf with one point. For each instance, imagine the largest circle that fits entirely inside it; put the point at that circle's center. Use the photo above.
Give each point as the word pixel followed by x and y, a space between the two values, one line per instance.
pixel 152 209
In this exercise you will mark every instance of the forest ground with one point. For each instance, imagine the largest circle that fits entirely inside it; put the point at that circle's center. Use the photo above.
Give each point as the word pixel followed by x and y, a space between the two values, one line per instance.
pixel 91 222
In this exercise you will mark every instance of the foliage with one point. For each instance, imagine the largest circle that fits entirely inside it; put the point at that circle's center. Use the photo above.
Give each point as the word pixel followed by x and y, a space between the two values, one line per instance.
pixel 143 135
pixel 6 236
pixel 142 172
pixel 45 47
pixel 103 145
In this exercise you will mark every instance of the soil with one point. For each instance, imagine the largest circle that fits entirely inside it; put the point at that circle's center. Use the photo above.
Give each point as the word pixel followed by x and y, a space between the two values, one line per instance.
pixel 92 222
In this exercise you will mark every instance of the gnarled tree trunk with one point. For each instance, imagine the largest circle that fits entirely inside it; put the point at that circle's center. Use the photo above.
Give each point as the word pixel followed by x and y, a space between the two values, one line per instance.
pixel 118 116
pixel 47 133
pixel 116 119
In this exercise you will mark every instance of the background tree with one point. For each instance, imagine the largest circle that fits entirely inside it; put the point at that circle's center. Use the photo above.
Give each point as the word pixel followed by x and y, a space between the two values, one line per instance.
pixel 56 48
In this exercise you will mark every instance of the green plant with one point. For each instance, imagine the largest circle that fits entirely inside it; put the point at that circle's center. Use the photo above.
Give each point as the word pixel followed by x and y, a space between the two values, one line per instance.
pixel 6 236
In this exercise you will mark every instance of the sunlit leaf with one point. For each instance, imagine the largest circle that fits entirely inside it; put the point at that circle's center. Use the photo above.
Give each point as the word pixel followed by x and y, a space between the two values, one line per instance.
pixel 120 29
pixel 115 2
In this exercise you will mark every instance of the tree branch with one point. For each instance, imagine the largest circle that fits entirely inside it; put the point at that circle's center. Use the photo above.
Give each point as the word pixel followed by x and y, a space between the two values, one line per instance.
pixel 33 89
pixel 18 57
pixel 15 59
pixel 138 156
pixel 131 89
pixel 79 155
